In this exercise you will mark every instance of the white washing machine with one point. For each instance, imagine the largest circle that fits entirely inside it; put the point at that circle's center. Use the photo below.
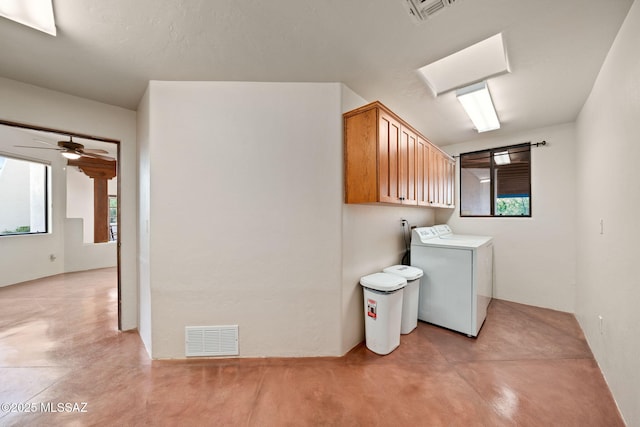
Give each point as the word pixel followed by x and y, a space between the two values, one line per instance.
pixel 457 285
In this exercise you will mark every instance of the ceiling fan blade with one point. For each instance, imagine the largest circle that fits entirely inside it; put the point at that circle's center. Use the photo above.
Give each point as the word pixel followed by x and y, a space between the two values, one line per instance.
pixel 96 156
pixel 95 151
pixel 42 141
pixel 39 148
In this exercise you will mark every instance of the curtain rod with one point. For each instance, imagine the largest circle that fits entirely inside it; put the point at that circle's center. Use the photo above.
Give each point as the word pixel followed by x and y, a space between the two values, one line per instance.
pixel 531 144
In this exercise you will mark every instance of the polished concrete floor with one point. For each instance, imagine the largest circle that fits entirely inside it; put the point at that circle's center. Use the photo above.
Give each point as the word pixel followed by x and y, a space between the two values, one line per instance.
pixel 60 352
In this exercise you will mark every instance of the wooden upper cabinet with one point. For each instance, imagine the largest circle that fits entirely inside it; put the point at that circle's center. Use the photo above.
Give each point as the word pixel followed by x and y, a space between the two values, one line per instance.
pixel 408 166
pixel 362 159
pixel 387 161
pixel 441 179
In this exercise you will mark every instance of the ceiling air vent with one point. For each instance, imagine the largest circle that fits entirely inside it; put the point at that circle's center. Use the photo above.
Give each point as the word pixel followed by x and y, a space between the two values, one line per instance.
pixel 421 10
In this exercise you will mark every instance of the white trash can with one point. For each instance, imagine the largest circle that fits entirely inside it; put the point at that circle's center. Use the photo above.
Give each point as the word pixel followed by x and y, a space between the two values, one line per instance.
pixel 382 311
pixel 410 296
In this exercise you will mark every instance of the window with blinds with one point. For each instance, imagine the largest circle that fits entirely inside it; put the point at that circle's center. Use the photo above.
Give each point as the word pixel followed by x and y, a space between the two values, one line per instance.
pixel 496 182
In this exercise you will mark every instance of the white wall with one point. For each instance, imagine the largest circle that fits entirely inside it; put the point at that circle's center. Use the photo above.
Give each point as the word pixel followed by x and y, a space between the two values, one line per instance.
pixel 372 239
pixel 144 128
pixel 25 259
pixel 535 257
pixel 245 198
pixel 241 218
pixel 28 257
pixel 81 253
pixel 80 201
pixel 80 256
pixel 609 190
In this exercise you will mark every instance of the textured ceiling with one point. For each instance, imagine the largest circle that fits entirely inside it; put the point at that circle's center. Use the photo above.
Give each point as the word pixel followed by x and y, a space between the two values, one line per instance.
pixel 109 50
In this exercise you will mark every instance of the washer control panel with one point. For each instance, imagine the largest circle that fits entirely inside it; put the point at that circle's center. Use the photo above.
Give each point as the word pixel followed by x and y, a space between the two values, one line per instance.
pixel 442 229
pixel 425 233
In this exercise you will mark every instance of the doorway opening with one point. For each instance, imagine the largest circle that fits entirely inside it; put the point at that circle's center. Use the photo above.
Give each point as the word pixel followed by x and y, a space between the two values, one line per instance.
pixel 98 158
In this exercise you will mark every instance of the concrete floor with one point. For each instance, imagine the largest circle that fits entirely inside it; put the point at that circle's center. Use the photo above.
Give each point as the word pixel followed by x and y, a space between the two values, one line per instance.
pixel 59 345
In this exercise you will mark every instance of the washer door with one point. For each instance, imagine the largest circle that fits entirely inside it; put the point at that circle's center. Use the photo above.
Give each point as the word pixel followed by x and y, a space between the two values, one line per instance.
pixel 446 289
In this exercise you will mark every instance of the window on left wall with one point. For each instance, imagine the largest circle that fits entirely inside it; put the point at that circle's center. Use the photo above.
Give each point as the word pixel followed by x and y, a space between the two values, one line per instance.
pixel 24 196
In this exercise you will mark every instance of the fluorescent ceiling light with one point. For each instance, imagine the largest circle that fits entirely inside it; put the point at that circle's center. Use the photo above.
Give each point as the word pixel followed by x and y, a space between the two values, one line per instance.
pixel 476 101
pixel 485 180
pixel 36 14
pixel 478 62
pixel 502 158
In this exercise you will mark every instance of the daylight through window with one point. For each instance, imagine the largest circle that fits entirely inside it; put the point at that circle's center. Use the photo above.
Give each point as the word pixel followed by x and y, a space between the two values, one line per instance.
pixel 113 218
pixel 496 182
pixel 23 196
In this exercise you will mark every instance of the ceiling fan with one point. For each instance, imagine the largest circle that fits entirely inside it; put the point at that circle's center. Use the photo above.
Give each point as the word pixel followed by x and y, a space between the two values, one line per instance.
pixel 72 150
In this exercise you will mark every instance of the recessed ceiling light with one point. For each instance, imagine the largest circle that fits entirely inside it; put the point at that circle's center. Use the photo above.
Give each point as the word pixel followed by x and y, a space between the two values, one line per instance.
pixel 36 14
pixel 478 62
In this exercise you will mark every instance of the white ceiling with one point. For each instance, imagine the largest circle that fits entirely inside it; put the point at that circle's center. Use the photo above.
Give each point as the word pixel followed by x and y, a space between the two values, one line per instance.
pixel 109 50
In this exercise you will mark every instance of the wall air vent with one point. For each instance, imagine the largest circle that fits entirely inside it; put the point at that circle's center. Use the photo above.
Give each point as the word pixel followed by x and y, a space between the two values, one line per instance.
pixel 201 341
pixel 421 10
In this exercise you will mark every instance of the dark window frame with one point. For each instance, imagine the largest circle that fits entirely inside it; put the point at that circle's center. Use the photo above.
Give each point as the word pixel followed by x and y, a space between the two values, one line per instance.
pixel 492 173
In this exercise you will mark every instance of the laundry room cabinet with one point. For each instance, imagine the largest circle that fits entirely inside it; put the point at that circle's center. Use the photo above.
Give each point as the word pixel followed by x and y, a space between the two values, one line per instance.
pixel 387 161
pixel 442 174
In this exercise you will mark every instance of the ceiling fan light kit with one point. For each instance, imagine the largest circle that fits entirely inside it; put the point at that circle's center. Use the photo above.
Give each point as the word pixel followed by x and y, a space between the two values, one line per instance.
pixel 71 155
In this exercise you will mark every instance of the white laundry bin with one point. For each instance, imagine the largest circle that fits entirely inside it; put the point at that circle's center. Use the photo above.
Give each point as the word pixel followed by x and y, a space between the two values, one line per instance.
pixel 382 311
pixel 410 295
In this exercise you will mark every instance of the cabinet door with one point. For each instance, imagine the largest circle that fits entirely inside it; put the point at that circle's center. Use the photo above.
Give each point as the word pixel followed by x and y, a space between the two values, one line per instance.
pixel 422 174
pixel 442 181
pixel 388 159
pixel 434 167
pixel 450 179
pixel 441 176
pixel 408 167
